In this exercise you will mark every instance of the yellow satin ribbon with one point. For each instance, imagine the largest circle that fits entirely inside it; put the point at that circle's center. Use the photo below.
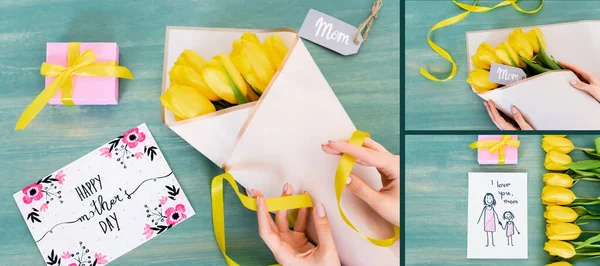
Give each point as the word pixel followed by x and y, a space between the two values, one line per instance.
pixel 494 146
pixel 453 20
pixel 78 64
pixel 287 202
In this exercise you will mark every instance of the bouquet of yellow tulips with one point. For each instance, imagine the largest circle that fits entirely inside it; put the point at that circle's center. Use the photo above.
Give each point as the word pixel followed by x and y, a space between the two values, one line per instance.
pixel 198 87
pixel 565 211
pixel 522 50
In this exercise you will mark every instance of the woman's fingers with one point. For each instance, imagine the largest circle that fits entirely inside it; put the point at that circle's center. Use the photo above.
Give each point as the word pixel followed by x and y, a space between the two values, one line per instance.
pixel 323 230
pixel 281 216
pixel 266 227
pixel 374 145
pixel 301 219
pixel 520 120
pixel 500 122
pixel 489 111
pixel 588 76
pixel 363 155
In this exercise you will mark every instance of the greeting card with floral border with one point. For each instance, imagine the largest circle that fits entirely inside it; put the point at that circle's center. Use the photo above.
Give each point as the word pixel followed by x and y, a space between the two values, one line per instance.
pixel 104 204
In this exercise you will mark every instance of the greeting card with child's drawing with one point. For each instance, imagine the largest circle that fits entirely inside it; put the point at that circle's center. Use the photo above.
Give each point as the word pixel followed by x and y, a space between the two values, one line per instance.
pixel 104 204
pixel 497 225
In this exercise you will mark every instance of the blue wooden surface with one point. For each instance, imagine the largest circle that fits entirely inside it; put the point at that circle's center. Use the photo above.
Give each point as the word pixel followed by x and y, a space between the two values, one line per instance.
pixel 367 85
pixel 436 198
pixel 452 105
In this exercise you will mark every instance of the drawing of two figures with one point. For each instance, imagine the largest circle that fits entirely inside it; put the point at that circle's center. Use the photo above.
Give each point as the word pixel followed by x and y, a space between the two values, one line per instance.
pixel 490 218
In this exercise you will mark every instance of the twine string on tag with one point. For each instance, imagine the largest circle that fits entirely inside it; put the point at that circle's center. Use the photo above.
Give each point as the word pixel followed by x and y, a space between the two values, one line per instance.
pixel 366 25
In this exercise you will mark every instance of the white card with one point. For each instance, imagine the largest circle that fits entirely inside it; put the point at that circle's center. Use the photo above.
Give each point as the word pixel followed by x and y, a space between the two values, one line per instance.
pixel 104 204
pixel 497 226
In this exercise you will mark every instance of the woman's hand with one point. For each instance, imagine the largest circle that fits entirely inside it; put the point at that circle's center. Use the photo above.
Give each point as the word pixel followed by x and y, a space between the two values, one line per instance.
pixel 501 123
pixel 291 247
pixel 589 82
pixel 386 201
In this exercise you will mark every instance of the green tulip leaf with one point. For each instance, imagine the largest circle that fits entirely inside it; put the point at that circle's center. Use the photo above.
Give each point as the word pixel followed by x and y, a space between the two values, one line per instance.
pixel 587 173
pixel 589 241
pixel 549 62
pixel 239 96
pixel 537 68
pixel 584 203
pixel 589 217
pixel 597 142
pixel 592 154
pixel 584 165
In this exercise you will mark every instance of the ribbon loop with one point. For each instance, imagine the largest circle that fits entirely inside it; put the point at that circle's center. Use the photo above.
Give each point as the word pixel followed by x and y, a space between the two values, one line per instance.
pixel 455 19
pixel 78 64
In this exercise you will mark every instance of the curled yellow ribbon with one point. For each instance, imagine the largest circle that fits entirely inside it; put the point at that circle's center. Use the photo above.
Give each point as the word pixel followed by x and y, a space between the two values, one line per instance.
pixel 78 64
pixel 494 146
pixel 287 202
pixel 453 20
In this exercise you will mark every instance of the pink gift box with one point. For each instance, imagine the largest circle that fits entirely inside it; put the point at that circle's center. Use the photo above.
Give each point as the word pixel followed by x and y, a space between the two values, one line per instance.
pixel 511 154
pixel 87 90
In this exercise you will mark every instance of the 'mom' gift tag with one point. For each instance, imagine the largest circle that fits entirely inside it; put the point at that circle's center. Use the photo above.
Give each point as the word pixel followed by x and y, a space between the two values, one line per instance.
pixel 330 33
pixel 505 75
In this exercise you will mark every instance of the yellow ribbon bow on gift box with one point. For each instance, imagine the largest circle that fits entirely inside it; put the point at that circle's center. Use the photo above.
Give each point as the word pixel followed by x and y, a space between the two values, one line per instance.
pixel 494 146
pixel 78 64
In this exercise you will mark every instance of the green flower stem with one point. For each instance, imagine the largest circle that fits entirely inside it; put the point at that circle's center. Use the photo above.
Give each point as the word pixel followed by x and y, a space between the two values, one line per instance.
pixel 591 232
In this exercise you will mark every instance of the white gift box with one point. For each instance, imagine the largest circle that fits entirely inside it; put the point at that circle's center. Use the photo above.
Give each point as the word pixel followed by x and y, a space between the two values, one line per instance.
pixel 278 139
pixel 548 101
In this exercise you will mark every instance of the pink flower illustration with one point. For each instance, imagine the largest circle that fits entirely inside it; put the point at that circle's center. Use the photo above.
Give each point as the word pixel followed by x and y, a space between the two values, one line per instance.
pixel 139 155
pixel 32 192
pixel 60 177
pixel 133 137
pixel 105 152
pixel 175 215
pixel 147 231
pixel 66 255
pixel 163 200
pixel 100 259
pixel 44 207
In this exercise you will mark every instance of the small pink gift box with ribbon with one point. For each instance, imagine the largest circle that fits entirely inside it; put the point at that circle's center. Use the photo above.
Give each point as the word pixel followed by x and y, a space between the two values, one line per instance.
pixel 497 149
pixel 87 90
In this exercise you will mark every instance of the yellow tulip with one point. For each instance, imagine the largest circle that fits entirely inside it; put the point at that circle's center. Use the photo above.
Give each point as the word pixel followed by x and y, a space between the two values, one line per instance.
pixel 252 61
pixel 519 42
pixel 508 55
pixel 556 161
pixel 558 144
pixel 560 214
pixel 558 180
pixel 485 56
pixel 479 78
pixel 560 263
pixel 191 59
pixel 533 36
pixel 562 231
pixel 275 49
pixel 251 37
pixel 223 79
pixel 560 248
pixel 183 75
pixel 557 195
pixel 186 102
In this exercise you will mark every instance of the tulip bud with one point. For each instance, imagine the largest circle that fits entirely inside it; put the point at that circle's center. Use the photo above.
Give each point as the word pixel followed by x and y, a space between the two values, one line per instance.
pixel 225 80
pixel 560 263
pixel 558 144
pixel 558 180
pixel 560 248
pixel 185 102
pixel 479 78
pixel 191 59
pixel 275 49
pixel 560 214
pixel 252 61
pixel 183 75
pixel 508 55
pixel 556 161
pixel 562 231
pixel 557 195
pixel 519 42
pixel 485 56
pixel 533 36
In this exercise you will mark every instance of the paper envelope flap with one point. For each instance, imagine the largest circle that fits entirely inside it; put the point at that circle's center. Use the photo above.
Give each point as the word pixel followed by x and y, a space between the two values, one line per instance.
pixel 543 113
pixel 282 143
pixel 215 134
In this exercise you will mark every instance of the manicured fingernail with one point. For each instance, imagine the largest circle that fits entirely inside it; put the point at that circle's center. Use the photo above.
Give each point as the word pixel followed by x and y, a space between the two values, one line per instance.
pixel 573 82
pixel 514 110
pixel 305 192
pixel 348 180
pixel 320 210
pixel 285 187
